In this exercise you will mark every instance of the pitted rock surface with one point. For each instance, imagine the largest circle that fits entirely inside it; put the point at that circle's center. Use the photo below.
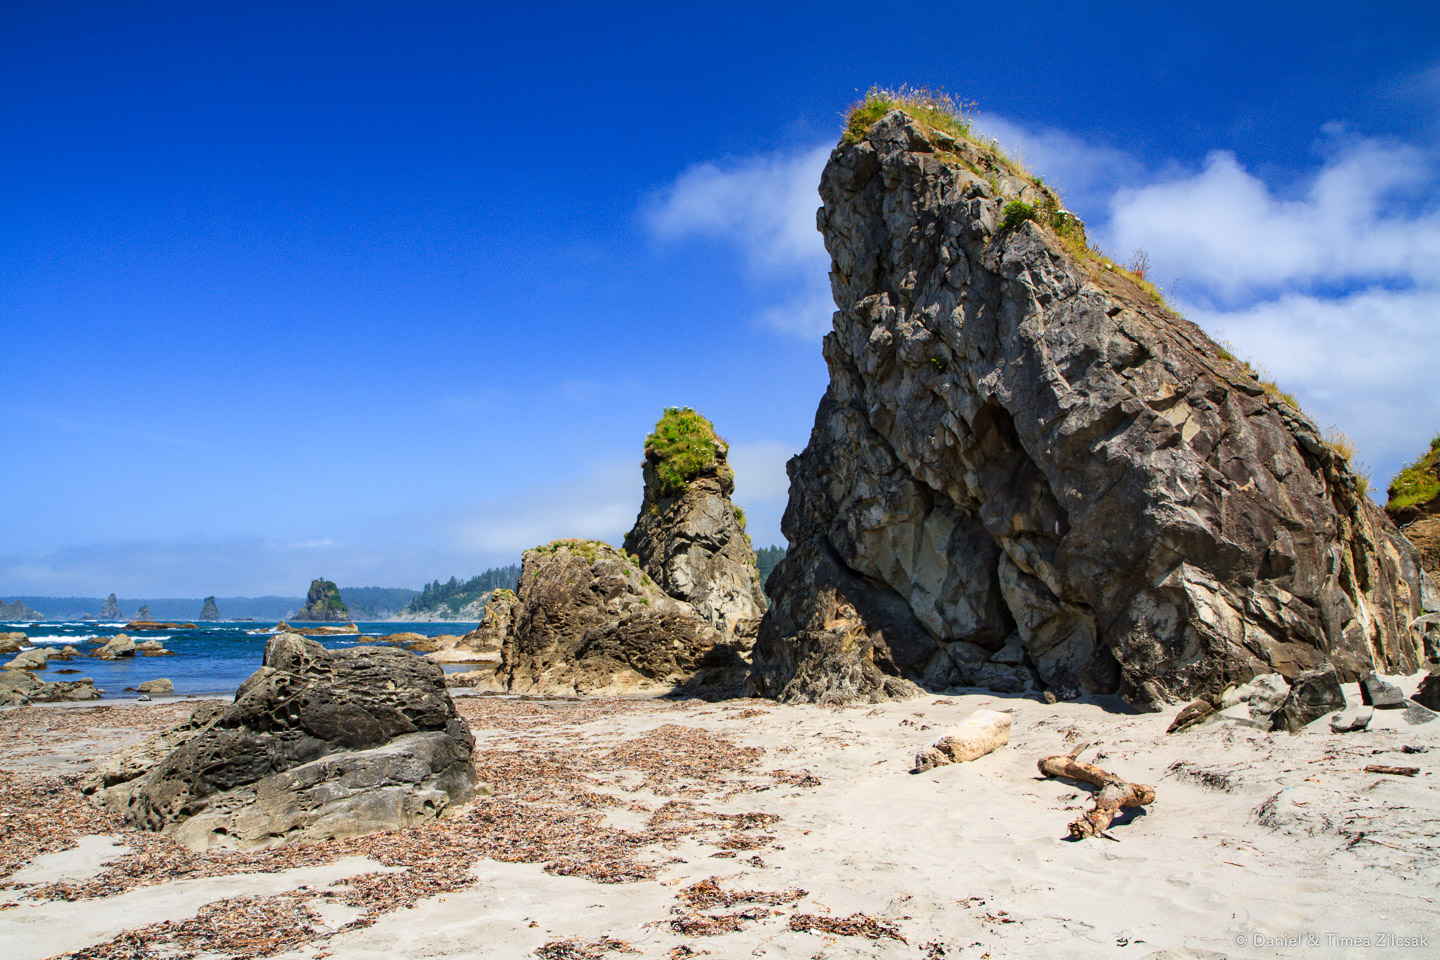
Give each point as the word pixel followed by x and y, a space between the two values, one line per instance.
pixel 1027 471
pixel 588 620
pixel 317 744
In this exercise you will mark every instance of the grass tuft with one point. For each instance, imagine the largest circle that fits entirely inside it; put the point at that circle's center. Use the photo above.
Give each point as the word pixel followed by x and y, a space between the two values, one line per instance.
pixel 683 446
pixel 934 108
pixel 1417 483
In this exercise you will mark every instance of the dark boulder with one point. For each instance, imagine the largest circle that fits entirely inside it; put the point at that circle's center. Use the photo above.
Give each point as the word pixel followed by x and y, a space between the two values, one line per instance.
pixel 1313 694
pixel 317 744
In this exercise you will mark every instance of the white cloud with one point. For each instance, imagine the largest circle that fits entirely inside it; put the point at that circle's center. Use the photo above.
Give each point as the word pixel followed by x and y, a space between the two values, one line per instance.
pixel 600 504
pixel 1228 232
pixel 765 207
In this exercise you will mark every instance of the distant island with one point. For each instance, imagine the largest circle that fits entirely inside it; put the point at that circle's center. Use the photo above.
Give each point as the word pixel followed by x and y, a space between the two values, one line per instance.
pixel 457 599
pixel 323 603
pixel 210 611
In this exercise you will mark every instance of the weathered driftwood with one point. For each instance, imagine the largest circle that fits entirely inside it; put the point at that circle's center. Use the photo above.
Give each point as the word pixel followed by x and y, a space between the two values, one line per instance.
pixel 1114 793
pixel 1393 771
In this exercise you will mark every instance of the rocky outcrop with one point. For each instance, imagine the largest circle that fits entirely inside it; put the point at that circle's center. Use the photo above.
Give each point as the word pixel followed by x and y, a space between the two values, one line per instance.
pixel 18 611
pixel 689 536
pixel 12 642
pixel 208 610
pixel 317 744
pixel 19 687
pixel 323 603
pixel 327 631
pixel 110 609
pixel 500 608
pixel 32 659
pixel 1027 468
pixel 588 620
pixel 1314 694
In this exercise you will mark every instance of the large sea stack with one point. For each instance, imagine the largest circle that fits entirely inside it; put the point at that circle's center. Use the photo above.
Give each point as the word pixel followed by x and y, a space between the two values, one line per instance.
pixel 689 536
pixel 1028 473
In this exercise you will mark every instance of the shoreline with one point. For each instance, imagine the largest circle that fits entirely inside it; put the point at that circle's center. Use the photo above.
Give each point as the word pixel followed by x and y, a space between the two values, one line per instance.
pixel 618 820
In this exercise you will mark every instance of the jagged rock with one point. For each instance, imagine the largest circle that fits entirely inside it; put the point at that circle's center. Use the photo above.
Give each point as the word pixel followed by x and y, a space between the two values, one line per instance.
pixel 158 687
pixel 1380 693
pixel 588 620
pixel 323 603
pixel 318 744
pixel 689 536
pixel 1019 442
pixel 208 610
pixel 1353 719
pixel 12 642
pixel 1194 712
pixel 110 609
pixel 1314 694
pixel 984 731
pixel 35 659
pixel 116 647
pixel 18 687
pixel 489 635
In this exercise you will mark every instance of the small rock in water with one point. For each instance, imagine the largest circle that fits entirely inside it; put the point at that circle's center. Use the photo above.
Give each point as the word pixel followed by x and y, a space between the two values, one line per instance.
pixel 1417 714
pixel 1353 718
pixel 1380 694
pixel 161 686
pixel 984 731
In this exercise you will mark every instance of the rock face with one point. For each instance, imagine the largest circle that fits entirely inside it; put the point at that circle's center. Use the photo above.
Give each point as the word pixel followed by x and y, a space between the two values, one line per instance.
pixel 209 611
pixel 110 609
pixel 689 536
pixel 588 620
pixel 1026 470
pixel 317 744
pixel 323 603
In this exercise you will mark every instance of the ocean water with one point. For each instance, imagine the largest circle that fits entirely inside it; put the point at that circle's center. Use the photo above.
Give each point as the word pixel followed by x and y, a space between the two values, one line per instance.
pixel 211 660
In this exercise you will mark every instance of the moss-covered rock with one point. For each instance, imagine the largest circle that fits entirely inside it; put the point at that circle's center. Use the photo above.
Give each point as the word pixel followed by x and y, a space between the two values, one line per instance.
pixel 323 603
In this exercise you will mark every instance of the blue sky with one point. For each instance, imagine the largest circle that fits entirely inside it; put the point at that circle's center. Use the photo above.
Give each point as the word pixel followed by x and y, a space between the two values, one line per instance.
pixel 391 293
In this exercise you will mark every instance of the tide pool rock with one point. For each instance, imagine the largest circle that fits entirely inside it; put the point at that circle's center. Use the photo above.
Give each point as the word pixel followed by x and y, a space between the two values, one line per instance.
pixel 19 687
pixel 35 659
pixel 317 744
pixel 116 647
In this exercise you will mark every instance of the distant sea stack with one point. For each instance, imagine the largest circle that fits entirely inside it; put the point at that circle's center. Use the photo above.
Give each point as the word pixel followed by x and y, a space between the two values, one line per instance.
pixel 110 609
pixel 209 611
pixel 18 611
pixel 1028 473
pixel 144 612
pixel 323 603
pixel 689 537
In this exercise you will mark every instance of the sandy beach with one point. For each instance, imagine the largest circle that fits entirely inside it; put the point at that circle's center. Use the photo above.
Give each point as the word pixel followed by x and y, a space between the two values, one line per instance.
pixel 660 828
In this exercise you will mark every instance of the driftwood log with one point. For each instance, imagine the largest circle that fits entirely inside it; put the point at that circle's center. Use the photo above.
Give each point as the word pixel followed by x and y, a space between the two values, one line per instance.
pixel 1113 794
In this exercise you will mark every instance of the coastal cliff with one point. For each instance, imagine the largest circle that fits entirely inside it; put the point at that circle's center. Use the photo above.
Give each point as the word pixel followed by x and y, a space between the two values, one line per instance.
pixel 1029 473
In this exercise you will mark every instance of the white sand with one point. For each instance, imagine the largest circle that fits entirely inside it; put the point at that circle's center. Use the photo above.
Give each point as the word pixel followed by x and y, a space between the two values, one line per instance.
pixel 1252 836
